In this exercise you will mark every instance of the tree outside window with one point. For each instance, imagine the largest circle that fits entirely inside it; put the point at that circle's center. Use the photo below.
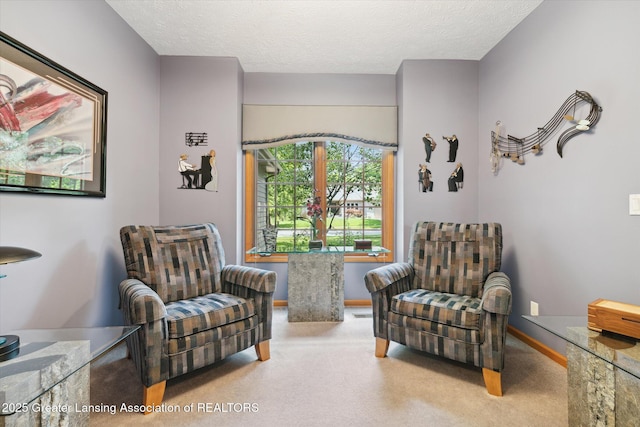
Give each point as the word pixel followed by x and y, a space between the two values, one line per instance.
pixel 345 182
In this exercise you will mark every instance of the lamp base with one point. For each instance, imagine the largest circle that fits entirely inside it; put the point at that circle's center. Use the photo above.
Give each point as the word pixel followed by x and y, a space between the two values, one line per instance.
pixel 10 348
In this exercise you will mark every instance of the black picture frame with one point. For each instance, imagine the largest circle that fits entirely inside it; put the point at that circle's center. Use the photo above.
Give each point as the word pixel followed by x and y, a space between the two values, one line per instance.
pixel 53 126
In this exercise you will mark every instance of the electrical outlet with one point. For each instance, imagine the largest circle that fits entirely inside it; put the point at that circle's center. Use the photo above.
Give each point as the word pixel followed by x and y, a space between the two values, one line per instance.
pixel 534 308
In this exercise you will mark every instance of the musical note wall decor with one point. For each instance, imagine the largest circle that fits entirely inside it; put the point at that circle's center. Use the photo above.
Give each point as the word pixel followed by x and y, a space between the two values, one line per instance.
pixel 515 148
pixel 195 138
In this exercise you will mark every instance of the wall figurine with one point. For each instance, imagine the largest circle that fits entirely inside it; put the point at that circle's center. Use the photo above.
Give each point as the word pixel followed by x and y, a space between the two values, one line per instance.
pixel 189 173
pixel 456 180
pixel 203 178
pixel 429 146
pixel 424 178
pixel 212 185
pixel 453 147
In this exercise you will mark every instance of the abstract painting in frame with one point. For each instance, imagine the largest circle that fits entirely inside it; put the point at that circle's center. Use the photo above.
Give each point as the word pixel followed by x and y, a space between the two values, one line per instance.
pixel 52 126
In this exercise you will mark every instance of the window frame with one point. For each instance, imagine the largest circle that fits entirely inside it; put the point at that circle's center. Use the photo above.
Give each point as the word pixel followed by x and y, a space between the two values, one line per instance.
pixel 388 207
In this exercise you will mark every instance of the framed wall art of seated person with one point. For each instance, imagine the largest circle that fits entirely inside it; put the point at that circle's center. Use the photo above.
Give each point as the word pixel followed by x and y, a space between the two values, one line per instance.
pixel 449 299
pixel 193 310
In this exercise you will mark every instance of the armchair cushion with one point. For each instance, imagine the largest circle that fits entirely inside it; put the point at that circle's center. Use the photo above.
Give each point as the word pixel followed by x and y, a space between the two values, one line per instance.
pixel 455 258
pixel 214 335
pixel 176 262
pixel 448 309
pixel 199 314
pixel 414 332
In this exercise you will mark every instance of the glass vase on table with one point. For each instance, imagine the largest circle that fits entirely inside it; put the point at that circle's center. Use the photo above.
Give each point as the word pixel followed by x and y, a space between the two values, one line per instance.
pixel 315 243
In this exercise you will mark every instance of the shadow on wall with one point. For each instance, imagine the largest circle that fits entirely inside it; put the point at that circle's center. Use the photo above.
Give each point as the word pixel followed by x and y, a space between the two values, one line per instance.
pixel 81 292
pixel 101 309
pixel 510 268
pixel 71 283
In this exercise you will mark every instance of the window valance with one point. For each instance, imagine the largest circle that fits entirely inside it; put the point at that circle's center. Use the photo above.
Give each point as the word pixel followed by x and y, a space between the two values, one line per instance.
pixel 265 126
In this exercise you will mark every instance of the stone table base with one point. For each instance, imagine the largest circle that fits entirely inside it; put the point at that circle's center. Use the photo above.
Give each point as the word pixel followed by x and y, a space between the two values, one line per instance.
pixel 316 287
pixel 38 367
pixel 600 394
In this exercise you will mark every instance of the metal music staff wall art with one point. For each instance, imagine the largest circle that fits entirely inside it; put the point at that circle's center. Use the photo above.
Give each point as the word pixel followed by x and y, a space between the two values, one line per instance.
pixel 503 145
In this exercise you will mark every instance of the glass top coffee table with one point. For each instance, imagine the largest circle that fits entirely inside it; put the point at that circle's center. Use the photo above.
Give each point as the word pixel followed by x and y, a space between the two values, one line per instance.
pixel 622 352
pixel 47 358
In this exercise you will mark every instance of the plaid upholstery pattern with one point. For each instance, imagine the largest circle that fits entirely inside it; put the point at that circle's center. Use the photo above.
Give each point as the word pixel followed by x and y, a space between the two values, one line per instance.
pixel 400 325
pixel 177 262
pixel 497 294
pixel 193 310
pixel 198 314
pixel 211 352
pixel 449 299
pixel 448 309
pixel 140 303
pixel 384 276
pixel 201 339
pixel 455 258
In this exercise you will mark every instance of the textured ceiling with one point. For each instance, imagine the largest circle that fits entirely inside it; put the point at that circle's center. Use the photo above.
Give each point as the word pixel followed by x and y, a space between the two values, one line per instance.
pixel 331 36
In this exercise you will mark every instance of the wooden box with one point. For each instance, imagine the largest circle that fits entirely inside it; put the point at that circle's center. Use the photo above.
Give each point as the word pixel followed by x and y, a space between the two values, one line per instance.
pixel 362 244
pixel 612 316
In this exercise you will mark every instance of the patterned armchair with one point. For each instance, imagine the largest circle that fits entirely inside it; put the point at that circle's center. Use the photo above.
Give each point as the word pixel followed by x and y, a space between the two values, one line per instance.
pixel 449 299
pixel 193 310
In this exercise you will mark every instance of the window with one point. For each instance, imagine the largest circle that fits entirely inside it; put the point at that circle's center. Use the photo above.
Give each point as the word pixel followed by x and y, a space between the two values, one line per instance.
pixel 352 186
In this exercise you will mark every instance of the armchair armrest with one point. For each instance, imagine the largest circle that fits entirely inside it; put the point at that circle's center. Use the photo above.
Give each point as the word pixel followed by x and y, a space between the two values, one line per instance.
pixel 140 304
pixel 496 297
pixel 255 283
pixel 249 277
pixel 383 277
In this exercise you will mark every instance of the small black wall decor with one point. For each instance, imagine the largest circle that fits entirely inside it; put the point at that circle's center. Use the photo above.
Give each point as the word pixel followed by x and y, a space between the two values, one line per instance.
pixel 195 139
pixel 456 179
pixel 429 146
pixel 425 183
pixel 453 147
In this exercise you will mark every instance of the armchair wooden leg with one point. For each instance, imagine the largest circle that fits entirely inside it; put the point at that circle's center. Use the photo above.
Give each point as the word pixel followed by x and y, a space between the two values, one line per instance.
pixel 263 351
pixel 493 381
pixel 152 395
pixel 382 346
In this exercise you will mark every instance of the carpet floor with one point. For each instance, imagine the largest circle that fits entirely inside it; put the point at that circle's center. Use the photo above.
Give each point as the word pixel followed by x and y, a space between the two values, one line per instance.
pixel 326 374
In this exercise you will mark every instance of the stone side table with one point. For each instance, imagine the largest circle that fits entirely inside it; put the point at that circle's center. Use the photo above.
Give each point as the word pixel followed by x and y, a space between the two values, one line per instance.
pixel 47 382
pixel 601 393
pixel 42 366
pixel 316 287
pixel 603 373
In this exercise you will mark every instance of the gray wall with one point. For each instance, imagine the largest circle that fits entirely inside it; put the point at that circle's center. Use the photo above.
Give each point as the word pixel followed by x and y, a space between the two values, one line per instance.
pixel 439 97
pixel 74 283
pixel 321 89
pixel 569 238
pixel 202 94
